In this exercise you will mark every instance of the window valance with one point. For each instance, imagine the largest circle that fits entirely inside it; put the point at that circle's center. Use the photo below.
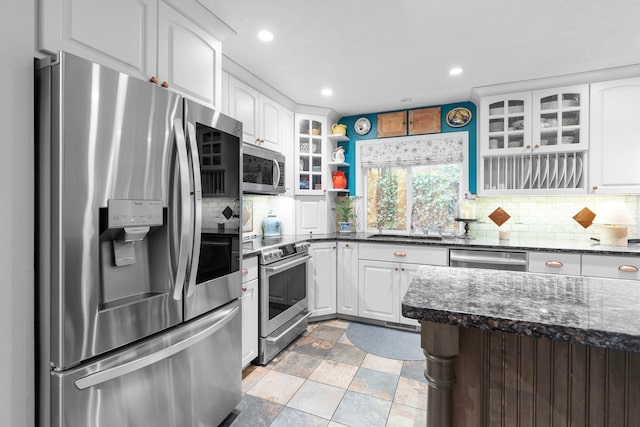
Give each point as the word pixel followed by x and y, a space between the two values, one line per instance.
pixel 437 149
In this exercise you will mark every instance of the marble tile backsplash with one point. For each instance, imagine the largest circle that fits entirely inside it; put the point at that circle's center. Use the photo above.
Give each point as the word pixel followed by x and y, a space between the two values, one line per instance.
pixel 546 217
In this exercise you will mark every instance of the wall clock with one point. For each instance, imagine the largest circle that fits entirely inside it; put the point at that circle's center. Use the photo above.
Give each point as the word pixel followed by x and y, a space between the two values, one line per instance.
pixel 362 126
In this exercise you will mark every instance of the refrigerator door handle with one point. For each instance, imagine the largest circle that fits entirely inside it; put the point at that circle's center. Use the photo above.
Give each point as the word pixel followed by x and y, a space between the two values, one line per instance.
pixel 109 374
pixel 276 179
pixel 197 205
pixel 185 207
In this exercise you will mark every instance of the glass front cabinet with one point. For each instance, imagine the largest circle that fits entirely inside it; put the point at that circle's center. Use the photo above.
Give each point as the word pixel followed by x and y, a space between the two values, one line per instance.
pixel 309 163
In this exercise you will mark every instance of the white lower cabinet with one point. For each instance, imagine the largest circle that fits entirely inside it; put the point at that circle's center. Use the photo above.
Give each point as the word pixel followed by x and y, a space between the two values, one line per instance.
pixel 249 303
pixel 384 275
pixel 611 266
pixel 347 278
pixel 321 279
pixel 554 263
pixel 311 215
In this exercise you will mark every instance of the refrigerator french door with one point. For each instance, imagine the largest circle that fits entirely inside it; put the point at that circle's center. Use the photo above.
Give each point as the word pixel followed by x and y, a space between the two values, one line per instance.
pixel 122 325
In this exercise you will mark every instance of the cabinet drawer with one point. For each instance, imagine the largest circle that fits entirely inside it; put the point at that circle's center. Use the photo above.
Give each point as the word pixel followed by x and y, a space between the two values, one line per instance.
pixel 554 263
pixel 405 253
pixel 614 267
pixel 249 269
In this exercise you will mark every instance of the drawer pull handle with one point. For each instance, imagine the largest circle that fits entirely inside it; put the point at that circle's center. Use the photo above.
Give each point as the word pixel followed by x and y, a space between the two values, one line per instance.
pixel 346 245
pixel 244 289
pixel 245 271
pixel 399 253
pixel 553 264
pixel 628 268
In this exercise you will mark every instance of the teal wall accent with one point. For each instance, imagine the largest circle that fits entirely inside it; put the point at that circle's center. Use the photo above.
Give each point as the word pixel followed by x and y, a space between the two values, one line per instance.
pixel 350 151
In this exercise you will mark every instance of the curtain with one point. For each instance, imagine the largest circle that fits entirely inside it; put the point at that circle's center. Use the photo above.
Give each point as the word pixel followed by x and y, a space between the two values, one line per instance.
pixel 436 149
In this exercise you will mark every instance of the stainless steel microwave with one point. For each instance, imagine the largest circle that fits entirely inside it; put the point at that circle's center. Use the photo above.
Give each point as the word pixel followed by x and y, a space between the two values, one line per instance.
pixel 262 170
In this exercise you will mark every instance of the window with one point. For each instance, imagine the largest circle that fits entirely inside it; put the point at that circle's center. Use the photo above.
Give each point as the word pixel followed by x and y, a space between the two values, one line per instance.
pixel 413 183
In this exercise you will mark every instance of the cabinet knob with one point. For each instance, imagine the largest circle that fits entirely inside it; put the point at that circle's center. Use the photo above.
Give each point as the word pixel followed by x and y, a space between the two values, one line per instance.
pixel 595 187
pixel 346 245
pixel 536 146
pixel 400 253
pixel 165 84
pixel 154 80
pixel 628 268
pixel 244 289
pixel 401 268
pixel 245 271
pixel 396 269
pixel 553 264
pixel 333 247
pixel 528 147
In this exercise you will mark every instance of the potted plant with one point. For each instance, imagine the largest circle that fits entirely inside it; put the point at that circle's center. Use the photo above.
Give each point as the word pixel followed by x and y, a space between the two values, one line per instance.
pixel 345 212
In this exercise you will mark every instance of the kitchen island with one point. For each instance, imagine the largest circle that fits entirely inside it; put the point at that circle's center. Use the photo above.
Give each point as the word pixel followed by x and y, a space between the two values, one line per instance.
pixel 510 348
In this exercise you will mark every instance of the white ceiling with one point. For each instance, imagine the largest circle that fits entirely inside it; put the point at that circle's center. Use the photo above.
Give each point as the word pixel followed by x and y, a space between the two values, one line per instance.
pixel 374 53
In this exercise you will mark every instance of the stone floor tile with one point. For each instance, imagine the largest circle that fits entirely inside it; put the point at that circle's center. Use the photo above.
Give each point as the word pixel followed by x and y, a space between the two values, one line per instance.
pixel 312 346
pixel 298 364
pixel 345 340
pixel 414 369
pixel 276 387
pixel 391 366
pixel 317 399
pixel 290 417
pixel 251 375
pixel 374 383
pixel 252 412
pixel 405 416
pixel 326 332
pixel 338 323
pixel 411 393
pixel 360 410
pixel 334 373
pixel 335 424
pixel 345 353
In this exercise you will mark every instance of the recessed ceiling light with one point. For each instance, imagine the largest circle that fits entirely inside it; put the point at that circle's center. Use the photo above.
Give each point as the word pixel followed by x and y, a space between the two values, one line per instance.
pixel 327 92
pixel 265 36
pixel 455 71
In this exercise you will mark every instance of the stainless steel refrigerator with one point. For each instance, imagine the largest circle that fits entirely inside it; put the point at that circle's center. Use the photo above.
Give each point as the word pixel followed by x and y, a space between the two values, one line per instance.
pixel 132 330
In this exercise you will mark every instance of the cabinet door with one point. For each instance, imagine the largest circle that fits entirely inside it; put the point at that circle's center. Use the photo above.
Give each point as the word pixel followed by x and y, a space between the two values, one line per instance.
pixel 311 215
pixel 615 137
pixel 243 106
pixel 561 119
pixel 424 120
pixel 392 124
pixel 612 267
pixel 322 279
pixel 189 58
pixel 407 271
pixel 378 286
pixel 554 263
pixel 270 133
pixel 120 34
pixel 249 303
pixel 347 286
pixel 309 155
pixel 505 124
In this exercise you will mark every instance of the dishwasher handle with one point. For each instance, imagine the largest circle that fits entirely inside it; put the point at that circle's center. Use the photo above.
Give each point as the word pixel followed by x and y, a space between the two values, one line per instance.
pixel 486 259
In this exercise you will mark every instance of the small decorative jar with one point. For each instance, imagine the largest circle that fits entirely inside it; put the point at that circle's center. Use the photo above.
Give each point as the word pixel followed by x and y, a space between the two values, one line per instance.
pixel 271 224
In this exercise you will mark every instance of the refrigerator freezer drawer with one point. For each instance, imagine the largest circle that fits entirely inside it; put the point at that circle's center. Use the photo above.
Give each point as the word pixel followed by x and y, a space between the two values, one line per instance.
pixel 188 376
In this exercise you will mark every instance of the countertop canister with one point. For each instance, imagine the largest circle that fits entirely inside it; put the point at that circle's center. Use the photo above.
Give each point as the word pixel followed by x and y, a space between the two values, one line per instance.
pixel 271 224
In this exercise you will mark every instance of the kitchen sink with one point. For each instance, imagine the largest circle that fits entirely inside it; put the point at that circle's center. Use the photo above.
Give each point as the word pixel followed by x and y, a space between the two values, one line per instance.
pixel 421 237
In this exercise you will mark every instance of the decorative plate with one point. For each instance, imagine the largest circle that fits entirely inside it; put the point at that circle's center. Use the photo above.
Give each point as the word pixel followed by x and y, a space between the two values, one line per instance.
pixel 362 126
pixel 458 117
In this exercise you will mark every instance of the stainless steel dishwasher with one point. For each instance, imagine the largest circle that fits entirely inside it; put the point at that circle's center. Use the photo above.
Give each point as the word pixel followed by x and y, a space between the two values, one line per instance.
pixel 488 259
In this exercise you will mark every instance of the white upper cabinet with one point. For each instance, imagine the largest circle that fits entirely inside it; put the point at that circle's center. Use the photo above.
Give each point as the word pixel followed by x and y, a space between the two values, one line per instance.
pixel 615 137
pixel 147 39
pixel 189 58
pixel 505 127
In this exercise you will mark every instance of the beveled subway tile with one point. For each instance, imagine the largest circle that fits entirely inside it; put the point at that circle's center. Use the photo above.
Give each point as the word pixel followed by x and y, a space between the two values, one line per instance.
pixel 290 417
pixel 411 393
pixel 374 383
pixel 334 373
pixel 382 364
pixel 312 346
pixel 405 416
pixel 317 399
pixel 345 353
pixel 360 410
pixel 298 364
pixel 276 387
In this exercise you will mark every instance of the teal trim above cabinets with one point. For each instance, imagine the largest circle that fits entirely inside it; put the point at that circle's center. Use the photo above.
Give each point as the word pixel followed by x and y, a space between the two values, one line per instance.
pixel 471 127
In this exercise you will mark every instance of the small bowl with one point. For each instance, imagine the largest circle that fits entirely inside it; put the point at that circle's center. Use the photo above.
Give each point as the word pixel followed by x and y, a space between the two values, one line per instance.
pixel 567 140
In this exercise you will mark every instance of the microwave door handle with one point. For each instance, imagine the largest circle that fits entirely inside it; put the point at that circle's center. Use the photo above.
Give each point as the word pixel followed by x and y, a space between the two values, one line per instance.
pixel 276 179
pixel 185 209
pixel 197 205
pixel 109 374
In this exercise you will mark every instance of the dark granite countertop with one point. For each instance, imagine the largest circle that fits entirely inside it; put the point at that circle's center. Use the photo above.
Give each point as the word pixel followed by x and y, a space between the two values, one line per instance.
pixel 600 312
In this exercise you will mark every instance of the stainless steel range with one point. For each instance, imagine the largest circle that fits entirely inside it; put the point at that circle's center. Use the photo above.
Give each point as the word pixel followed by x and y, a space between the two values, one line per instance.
pixel 282 293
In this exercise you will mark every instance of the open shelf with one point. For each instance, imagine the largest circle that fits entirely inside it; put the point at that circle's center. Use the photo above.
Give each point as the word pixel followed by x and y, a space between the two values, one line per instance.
pixel 337 137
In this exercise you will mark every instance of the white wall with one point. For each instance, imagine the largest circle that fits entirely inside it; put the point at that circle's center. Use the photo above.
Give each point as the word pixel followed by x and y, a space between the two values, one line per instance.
pixel 17 32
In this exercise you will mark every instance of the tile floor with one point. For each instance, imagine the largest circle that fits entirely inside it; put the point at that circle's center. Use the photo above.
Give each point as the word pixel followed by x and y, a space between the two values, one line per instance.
pixel 323 380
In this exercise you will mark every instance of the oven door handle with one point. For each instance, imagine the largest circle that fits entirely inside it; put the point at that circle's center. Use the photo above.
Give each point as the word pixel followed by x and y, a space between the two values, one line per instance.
pixel 287 265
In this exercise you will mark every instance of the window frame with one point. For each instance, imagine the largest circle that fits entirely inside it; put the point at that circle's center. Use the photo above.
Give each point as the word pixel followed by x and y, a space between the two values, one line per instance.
pixel 361 181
